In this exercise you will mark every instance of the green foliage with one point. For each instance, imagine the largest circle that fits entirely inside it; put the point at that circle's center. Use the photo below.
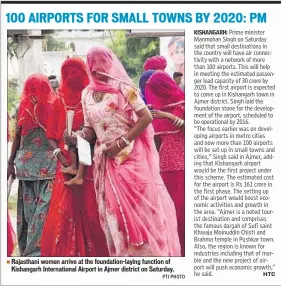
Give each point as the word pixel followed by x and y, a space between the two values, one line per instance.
pixel 133 52
pixel 13 94
pixel 53 44
pixel 12 48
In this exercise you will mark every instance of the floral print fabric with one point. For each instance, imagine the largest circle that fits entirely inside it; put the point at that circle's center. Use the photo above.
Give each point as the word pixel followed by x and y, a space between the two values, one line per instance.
pixel 33 205
pixel 136 212
pixel 34 160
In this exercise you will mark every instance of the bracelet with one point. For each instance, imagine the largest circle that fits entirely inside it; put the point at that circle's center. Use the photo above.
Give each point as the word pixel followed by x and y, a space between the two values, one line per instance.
pixel 83 135
pixel 127 142
pixel 11 162
pixel 178 122
pixel 56 152
pixel 181 122
pixel 118 144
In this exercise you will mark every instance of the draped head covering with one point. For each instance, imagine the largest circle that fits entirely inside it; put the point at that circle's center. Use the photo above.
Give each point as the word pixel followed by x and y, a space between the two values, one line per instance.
pixel 143 79
pixel 155 63
pixel 32 115
pixel 102 60
pixel 74 79
pixel 164 94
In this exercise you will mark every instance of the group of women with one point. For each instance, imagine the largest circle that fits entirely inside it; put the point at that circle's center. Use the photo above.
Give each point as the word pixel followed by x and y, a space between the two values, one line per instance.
pixel 131 202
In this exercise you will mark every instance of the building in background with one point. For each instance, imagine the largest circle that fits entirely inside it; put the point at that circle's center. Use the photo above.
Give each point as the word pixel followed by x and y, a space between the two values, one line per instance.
pixel 172 45
pixel 33 55
pixel 77 42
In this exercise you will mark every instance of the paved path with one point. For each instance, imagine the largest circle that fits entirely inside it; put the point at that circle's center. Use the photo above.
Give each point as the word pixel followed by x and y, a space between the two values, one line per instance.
pixel 14 191
pixel 15 184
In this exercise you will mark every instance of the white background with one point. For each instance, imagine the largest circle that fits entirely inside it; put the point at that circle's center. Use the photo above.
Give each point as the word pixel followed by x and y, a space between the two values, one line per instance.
pixel 181 265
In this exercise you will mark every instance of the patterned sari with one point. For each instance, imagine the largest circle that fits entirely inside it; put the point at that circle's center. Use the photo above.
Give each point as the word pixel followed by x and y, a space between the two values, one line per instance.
pixel 35 165
pixel 136 212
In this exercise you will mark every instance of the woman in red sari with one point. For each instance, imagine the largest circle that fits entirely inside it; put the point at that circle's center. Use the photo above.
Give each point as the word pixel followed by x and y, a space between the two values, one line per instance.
pixel 167 100
pixel 72 226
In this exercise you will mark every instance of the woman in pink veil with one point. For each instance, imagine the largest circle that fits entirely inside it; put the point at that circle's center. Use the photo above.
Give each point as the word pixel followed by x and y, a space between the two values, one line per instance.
pixel 167 101
pixel 136 212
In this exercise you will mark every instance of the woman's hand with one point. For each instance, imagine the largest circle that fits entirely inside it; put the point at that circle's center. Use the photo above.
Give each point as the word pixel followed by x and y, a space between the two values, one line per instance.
pixel 11 171
pixel 53 144
pixel 166 115
pixel 112 150
pixel 160 114
pixel 69 140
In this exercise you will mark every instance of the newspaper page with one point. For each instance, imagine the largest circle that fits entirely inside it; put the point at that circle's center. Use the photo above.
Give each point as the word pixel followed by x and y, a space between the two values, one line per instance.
pixel 180 103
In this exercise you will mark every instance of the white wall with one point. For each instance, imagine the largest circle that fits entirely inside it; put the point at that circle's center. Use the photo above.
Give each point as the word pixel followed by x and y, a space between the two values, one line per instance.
pixel 52 60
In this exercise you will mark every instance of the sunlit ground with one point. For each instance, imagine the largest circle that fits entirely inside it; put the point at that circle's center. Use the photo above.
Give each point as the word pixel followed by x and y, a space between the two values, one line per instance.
pixel 12 204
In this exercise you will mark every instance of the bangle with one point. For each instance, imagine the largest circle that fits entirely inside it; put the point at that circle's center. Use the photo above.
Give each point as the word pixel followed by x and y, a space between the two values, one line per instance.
pixel 11 162
pixel 178 122
pixel 118 144
pixel 83 135
pixel 56 152
pixel 127 142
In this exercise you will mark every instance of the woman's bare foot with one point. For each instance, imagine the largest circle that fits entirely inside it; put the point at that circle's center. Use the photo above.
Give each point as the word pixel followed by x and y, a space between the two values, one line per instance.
pixel 75 181
pixel 69 170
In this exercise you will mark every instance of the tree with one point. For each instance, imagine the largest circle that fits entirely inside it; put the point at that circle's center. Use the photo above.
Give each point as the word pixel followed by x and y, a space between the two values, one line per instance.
pixel 133 52
pixel 13 100
pixel 12 48
pixel 13 94
pixel 53 44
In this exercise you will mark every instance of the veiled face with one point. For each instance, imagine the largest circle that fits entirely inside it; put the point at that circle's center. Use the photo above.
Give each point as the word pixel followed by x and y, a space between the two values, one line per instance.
pixel 73 77
pixel 36 87
pixel 100 63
